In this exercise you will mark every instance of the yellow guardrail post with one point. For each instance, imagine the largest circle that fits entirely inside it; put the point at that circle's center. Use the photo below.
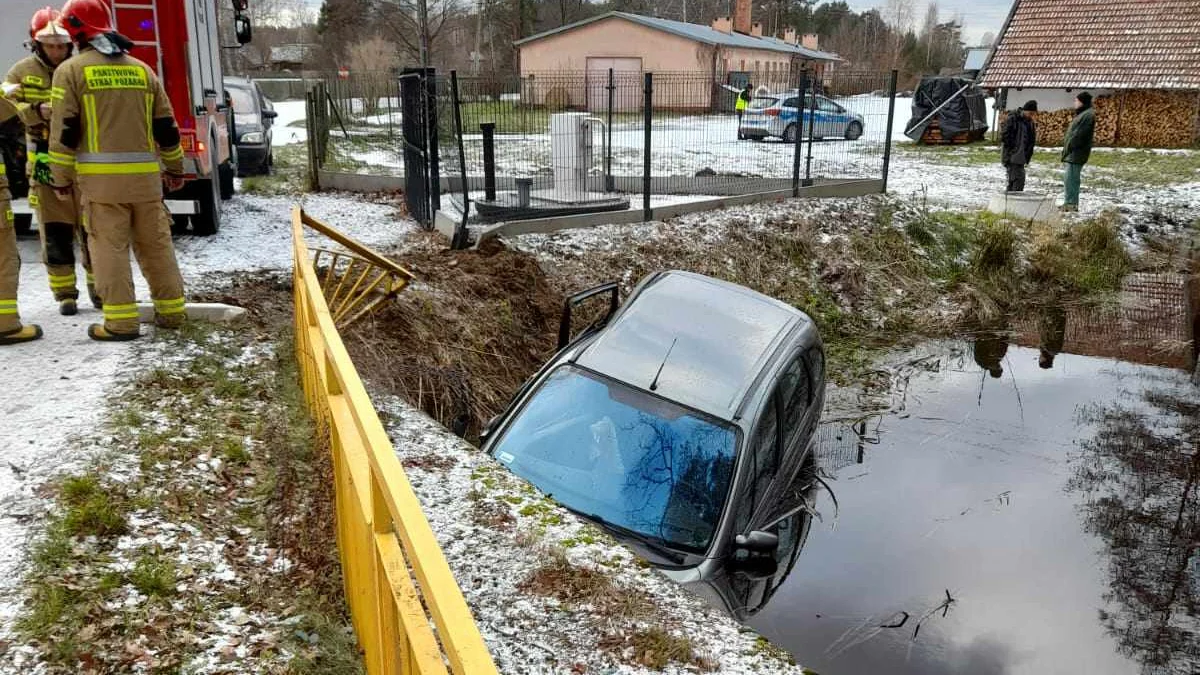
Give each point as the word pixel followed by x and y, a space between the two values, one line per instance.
pixel 382 531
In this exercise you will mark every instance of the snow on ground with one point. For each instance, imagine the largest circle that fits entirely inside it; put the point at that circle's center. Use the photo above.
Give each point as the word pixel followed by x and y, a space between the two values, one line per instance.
pixel 290 112
pixel 55 388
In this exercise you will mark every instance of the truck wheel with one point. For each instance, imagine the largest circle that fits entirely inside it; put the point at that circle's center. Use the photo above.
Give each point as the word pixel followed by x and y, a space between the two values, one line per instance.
pixel 226 173
pixel 179 224
pixel 208 221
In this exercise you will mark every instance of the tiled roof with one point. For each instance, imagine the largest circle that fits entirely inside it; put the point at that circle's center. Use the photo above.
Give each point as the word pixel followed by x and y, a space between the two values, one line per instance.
pixel 692 31
pixel 1099 44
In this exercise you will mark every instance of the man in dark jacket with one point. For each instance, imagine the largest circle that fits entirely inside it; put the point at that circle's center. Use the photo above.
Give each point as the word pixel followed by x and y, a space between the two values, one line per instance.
pixel 1017 139
pixel 1077 148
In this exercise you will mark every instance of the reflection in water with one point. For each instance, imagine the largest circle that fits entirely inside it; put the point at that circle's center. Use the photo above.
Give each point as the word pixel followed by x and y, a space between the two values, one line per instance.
pixel 953 547
pixel 989 350
pixel 1052 332
pixel 1141 476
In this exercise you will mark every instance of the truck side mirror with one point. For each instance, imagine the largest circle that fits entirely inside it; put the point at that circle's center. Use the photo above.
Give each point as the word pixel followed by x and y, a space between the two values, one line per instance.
pixel 241 27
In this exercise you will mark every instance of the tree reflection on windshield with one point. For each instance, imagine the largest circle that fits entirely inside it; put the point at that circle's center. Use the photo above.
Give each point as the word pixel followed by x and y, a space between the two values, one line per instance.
pixel 629 458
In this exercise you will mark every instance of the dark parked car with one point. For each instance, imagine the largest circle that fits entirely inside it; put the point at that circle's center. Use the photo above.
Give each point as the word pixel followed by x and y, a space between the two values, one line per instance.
pixel 253 117
pixel 678 421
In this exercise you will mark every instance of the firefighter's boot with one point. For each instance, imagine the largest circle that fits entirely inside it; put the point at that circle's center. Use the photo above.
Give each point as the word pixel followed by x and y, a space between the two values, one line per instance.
pixel 26 333
pixel 67 307
pixel 101 334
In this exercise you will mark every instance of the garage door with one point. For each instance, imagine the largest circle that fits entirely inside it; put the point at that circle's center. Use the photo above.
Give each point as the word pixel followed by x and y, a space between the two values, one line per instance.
pixel 627 77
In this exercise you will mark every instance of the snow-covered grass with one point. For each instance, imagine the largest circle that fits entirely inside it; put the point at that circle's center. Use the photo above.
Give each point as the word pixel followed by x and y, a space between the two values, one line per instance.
pixel 57 388
pixel 172 549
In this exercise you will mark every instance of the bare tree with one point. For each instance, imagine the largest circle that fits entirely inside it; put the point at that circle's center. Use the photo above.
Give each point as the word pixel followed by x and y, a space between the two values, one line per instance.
pixel 988 39
pixel 416 24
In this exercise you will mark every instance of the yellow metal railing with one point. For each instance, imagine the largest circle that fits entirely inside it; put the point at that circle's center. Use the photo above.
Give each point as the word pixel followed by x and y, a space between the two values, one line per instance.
pixel 387 547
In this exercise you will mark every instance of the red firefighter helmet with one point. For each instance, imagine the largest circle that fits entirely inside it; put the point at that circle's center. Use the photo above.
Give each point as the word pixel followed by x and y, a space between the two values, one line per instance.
pixel 86 20
pixel 44 27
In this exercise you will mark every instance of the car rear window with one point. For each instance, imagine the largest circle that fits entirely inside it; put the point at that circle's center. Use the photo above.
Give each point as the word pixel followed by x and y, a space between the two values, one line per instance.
pixel 762 103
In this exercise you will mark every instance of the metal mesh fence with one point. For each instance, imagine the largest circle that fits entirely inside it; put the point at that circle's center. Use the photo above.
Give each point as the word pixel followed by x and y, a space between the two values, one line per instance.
pixel 546 143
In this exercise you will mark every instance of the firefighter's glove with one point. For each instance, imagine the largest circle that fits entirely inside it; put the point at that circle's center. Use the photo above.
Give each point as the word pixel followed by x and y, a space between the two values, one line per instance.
pixel 41 169
pixel 44 111
pixel 174 181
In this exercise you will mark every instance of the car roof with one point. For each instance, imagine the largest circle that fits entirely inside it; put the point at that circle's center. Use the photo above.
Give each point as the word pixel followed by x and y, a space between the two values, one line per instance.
pixel 719 336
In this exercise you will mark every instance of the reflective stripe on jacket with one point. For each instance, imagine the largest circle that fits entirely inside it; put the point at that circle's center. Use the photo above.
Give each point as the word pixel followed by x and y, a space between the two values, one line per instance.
pixel 31 79
pixel 103 129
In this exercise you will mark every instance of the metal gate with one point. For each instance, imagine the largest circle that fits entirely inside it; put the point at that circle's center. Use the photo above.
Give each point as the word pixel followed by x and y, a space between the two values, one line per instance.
pixel 422 177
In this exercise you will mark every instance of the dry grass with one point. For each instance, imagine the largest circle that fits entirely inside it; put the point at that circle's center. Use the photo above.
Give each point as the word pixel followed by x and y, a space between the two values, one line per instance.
pixel 460 343
pixel 656 649
pixel 575 586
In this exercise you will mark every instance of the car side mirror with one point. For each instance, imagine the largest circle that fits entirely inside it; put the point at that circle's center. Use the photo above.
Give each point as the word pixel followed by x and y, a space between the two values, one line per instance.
pixel 242 29
pixel 757 542
pixel 270 114
pixel 487 429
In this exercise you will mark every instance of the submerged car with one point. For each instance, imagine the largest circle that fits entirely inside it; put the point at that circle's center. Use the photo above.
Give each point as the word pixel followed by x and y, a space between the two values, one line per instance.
pixel 677 421
pixel 253 118
pixel 778 116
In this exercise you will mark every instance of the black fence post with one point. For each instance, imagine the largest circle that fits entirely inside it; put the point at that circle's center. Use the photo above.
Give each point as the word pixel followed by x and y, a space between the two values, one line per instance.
pixel 489 160
pixel 431 131
pixel 812 120
pixel 799 145
pixel 609 183
pixel 887 141
pixel 460 239
pixel 648 122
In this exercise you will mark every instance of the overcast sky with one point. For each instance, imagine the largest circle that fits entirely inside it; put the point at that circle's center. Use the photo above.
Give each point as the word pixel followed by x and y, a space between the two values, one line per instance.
pixel 979 16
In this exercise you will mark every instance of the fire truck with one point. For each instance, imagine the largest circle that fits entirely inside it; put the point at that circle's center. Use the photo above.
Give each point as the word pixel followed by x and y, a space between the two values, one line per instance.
pixel 182 41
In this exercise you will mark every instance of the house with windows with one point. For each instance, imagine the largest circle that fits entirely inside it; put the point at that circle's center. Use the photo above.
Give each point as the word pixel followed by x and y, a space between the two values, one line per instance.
pixel 733 51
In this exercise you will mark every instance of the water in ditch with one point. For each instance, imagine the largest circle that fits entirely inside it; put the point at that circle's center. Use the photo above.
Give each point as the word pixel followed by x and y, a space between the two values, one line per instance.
pixel 1045 521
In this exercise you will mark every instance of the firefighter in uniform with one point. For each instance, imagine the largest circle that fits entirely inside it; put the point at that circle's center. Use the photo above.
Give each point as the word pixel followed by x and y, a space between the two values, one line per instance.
pixel 11 330
pixel 28 84
pixel 111 125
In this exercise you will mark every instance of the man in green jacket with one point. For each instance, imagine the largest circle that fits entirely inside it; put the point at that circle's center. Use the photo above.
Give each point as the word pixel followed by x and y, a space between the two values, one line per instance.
pixel 1077 148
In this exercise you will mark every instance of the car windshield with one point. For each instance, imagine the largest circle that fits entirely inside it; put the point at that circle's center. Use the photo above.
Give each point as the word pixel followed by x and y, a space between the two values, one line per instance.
pixel 243 102
pixel 624 456
pixel 762 103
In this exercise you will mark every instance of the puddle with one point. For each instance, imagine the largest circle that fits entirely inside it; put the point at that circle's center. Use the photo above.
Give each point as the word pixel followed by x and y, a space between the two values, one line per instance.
pixel 1046 521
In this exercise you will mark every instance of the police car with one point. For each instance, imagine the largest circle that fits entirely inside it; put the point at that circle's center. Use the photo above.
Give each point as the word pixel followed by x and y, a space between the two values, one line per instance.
pixel 778 115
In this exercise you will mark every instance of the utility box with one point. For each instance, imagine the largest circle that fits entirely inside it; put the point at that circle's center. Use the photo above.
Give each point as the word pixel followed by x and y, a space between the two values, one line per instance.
pixel 571 152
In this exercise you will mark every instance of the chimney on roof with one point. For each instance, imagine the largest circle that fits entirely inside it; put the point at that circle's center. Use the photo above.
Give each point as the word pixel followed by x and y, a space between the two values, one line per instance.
pixel 741 16
pixel 789 36
pixel 723 24
pixel 756 29
pixel 810 41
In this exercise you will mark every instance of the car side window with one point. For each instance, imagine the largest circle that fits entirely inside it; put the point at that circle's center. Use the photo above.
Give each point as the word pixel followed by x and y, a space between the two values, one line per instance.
pixel 795 388
pixel 816 367
pixel 793 102
pixel 764 462
pixel 830 106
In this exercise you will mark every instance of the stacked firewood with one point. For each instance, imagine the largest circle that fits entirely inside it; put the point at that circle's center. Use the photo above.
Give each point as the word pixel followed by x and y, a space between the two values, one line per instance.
pixel 933 136
pixel 1137 119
